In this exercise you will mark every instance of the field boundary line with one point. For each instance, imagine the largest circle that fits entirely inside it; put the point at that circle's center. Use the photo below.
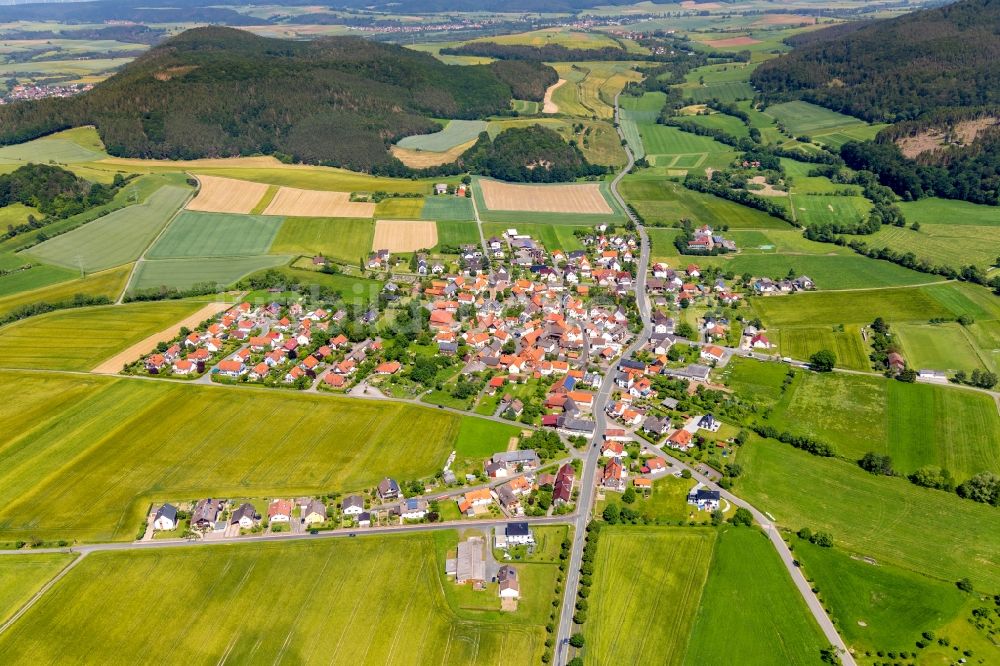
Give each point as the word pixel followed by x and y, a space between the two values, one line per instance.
pixel 142 257
pixel 38 595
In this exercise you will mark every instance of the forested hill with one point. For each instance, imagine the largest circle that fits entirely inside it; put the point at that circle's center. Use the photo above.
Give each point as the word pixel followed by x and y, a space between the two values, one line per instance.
pixel 897 69
pixel 341 101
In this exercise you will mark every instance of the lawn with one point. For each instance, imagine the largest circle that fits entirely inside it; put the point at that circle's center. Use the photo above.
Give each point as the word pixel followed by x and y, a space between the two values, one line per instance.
pixel 21 576
pixel 454 133
pixel 441 208
pixel 399 209
pixel 185 273
pixel 36 277
pixel 751 608
pixel 946 347
pixel 376 599
pixel 882 607
pixel 888 519
pixel 115 239
pixel 662 201
pixel 80 338
pixel 105 283
pixel 455 233
pixel 78 469
pixel 193 234
pixel 647 588
pixel 344 239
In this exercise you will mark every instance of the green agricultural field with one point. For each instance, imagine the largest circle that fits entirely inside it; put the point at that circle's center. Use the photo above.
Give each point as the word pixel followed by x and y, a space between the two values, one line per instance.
pixel 722 73
pixel 21 576
pixel 647 588
pixel 455 133
pixel 571 39
pixel 68 147
pixel 665 202
pixel 36 277
pixel 662 246
pixel 271 441
pixel 751 608
pixel 553 237
pixel 108 283
pixel 376 599
pixel 931 210
pixel 946 347
pixel 455 233
pixel 829 272
pixel 755 380
pixel 727 91
pixel 80 338
pixel 445 208
pixel 916 424
pixel 801 342
pixel 343 239
pixel 854 307
pixel 193 234
pixel 880 517
pixel 882 607
pixel 637 111
pixel 721 121
pixel 818 209
pixel 666 140
pixel 115 239
pixel 801 118
pixel 185 273
pixel 399 209
pixel 952 245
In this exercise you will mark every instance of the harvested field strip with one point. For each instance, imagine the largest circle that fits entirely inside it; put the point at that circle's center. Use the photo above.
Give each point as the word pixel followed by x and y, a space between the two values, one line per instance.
pixel 420 159
pixel 315 203
pixel 216 235
pixel 340 443
pixel 78 339
pixel 114 364
pixel 227 195
pixel 583 198
pixel 115 239
pixel 404 235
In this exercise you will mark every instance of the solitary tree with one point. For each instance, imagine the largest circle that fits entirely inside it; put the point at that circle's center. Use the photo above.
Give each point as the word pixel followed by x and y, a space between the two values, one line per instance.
pixel 742 517
pixel 823 360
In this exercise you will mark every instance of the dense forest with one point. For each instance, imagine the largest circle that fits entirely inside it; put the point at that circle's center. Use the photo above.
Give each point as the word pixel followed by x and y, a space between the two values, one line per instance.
pixel 54 191
pixel 926 72
pixel 532 154
pixel 216 92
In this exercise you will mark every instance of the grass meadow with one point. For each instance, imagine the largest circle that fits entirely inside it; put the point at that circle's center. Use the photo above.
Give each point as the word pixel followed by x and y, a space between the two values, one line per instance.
pixel 885 518
pixel 353 289
pixel 804 118
pixel 953 245
pixel 445 208
pixel 821 209
pixel 647 587
pixel 947 347
pixel 344 239
pixel 115 239
pixel 371 600
pixel 193 234
pixel 457 233
pixel 751 608
pixel 724 91
pixel 108 283
pixel 36 277
pixel 196 441
pixel 80 338
pixel 801 342
pixel 882 607
pixel 665 202
pixel 21 576
pixel 454 133
pixel 185 273
pixel 67 147
pixel 399 209
pixel 830 272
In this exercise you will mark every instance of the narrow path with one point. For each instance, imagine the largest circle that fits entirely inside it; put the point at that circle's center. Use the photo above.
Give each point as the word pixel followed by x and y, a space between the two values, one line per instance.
pixel 479 225
pixel 38 595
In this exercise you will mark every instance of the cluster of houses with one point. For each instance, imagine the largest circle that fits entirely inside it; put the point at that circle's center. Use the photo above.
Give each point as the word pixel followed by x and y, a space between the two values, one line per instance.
pixel 686 286
pixel 510 496
pixel 767 287
pixel 704 240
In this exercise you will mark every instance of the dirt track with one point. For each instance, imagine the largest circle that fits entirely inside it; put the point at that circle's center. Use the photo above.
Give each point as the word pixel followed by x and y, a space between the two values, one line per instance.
pixel 548 106
pixel 113 365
